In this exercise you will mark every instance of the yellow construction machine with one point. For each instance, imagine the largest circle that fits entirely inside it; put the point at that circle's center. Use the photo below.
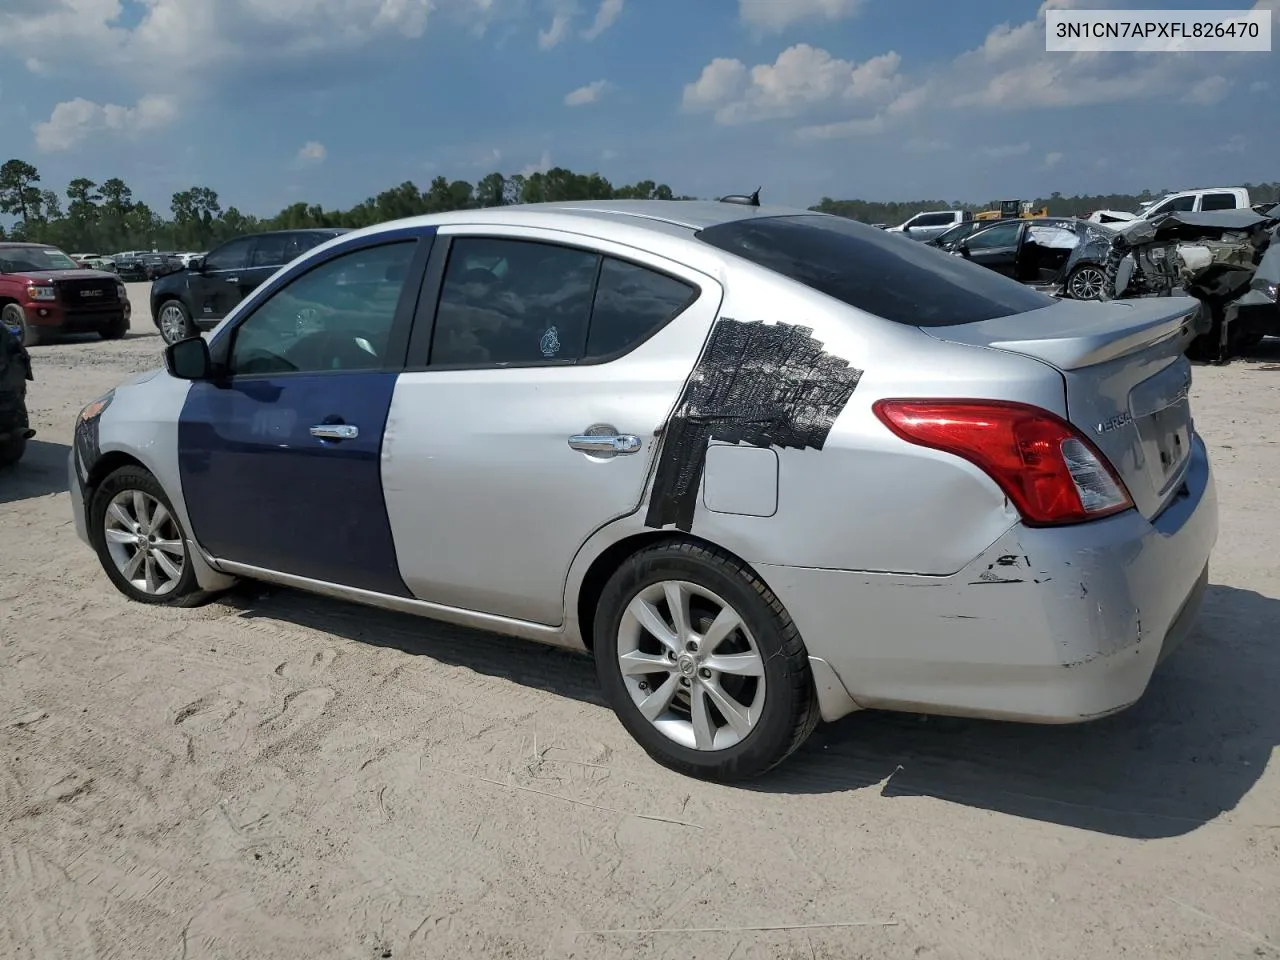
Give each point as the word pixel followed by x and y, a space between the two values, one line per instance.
pixel 1009 209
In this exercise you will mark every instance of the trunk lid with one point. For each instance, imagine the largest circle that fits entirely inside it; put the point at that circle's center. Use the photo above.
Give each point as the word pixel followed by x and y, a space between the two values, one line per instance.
pixel 1125 375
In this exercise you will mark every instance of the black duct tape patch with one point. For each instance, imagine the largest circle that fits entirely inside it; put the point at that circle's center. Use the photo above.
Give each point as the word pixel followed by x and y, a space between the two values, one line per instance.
pixel 765 385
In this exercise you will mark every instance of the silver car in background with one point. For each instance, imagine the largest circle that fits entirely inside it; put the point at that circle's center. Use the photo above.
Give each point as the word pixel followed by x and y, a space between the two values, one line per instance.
pixel 766 466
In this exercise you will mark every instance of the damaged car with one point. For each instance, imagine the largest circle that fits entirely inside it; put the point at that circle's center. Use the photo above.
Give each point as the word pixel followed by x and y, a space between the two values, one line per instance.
pixel 15 371
pixel 1060 254
pixel 1229 260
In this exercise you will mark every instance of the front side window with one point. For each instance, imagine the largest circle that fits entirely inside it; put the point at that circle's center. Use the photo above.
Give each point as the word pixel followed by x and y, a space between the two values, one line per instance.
pixel 232 255
pixel 269 250
pixel 338 316
pixel 1004 235
pixel 513 302
pixel 933 220
pixel 909 283
pixel 1181 204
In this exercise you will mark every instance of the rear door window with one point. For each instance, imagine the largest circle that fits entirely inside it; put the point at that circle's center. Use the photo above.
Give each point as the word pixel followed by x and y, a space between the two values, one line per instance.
pixel 1218 201
pixel 513 302
pixel 909 283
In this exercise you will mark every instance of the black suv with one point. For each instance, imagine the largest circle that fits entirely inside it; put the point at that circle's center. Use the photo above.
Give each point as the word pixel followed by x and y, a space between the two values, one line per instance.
pixel 187 301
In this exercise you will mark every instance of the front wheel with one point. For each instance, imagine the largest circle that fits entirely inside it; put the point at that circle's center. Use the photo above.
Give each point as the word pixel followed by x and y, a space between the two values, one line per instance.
pixel 702 664
pixel 140 543
pixel 115 330
pixel 14 319
pixel 175 322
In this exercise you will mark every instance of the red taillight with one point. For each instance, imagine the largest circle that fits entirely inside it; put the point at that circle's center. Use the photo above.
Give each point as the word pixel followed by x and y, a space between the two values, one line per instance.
pixel 1044 465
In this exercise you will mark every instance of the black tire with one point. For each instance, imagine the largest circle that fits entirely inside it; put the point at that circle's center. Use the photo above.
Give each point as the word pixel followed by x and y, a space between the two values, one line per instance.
pixel 14 316
pixel 11 450
pixel 115 330
pixel 187 592
pixel 187 328
pixel 789 712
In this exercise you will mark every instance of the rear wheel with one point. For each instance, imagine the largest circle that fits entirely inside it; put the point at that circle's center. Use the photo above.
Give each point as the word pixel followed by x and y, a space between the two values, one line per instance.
pixel 1086 283
pixel 175 322
pixel 702 663
pixel 140 543
pixel 14 319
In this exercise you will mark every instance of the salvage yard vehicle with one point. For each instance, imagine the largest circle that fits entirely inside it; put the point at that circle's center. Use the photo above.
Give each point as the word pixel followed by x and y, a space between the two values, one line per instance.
pixel 197 296
pixel 1060 253
pixel 927 225
pixel 15 425
pixel 1227 259
pixel 601 425
pixel 43 292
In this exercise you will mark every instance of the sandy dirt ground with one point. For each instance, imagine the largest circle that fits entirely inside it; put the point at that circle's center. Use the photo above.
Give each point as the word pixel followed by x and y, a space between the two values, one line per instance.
pixel 277 776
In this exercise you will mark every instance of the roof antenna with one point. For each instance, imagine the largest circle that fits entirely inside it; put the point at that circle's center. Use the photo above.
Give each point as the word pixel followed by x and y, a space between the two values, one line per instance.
pixel 752 200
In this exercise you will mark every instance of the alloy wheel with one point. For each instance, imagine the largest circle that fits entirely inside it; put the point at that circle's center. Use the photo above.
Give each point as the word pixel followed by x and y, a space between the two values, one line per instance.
pixel 173 323
pixel 144 542
pixel 691 665
pixel 1086 284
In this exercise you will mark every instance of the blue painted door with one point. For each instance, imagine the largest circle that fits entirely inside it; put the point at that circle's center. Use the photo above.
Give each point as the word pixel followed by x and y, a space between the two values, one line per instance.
pixel 261 489
pixel 280 456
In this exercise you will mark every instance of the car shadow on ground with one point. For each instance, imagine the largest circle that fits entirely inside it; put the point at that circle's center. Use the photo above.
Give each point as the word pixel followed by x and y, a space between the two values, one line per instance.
pixel 1185 754
pixel 41 471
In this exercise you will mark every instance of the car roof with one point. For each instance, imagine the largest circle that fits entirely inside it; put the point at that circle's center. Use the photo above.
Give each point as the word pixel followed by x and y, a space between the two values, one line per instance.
pixel 603 218
pixel 15 244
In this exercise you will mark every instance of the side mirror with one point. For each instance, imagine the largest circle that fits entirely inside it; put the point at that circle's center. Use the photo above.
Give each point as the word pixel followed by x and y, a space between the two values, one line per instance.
pixel 196 265
pixel 907 228
pixel 189 359
pixel 963 248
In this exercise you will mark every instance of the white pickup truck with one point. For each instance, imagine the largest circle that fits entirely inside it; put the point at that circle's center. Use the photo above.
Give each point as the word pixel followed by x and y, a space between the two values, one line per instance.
pixel 931 223
pixel 1209 198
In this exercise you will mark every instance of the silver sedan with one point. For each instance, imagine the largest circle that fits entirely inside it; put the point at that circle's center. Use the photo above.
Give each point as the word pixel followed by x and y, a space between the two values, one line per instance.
pixel 767 466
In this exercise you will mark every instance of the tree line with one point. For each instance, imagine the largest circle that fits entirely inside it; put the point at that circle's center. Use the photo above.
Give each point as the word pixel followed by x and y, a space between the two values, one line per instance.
pixel 106 218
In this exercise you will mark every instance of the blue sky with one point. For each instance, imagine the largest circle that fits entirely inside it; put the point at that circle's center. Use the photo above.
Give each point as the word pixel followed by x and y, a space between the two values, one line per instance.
pixel 330 101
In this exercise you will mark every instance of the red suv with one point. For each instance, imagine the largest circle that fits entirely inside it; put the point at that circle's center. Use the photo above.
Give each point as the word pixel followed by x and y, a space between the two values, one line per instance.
pixel 44 292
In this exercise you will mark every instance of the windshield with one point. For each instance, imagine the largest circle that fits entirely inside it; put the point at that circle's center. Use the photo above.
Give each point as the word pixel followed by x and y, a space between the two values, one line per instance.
pixel 910 283
pixel 34 260
pixel 959 231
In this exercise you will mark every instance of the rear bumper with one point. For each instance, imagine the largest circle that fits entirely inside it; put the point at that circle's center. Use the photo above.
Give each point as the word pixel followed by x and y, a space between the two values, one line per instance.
pixel 1048 625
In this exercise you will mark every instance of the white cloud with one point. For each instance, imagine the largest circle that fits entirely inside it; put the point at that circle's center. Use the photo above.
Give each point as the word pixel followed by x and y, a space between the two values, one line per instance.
pixel 590 93
pixel 1233 144
pixel 210 39
pixel 1052 159
pixel 1007 150
pixel 1208 90
pixel 1259 86
pixel 312 153
pixel 843 129
pixel 918 145
pixel 606 16
pixel 74 121
pixel 541 166
pixel 774 16
pixel 801 78
pixel 720 80
pixel 556 32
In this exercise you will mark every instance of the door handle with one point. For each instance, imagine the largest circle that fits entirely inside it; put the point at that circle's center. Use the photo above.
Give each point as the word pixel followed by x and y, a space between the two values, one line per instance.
pixel 615 443
pixel 233 279
pixel 335 431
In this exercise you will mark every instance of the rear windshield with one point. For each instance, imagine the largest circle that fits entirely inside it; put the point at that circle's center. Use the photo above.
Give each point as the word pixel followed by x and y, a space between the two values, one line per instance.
pixel 885 274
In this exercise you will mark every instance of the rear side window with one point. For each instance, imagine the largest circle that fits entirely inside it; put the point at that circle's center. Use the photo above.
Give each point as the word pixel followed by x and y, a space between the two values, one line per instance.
pixel 232 255
pixel 1218 201
pixel 881 273
pixel 631 304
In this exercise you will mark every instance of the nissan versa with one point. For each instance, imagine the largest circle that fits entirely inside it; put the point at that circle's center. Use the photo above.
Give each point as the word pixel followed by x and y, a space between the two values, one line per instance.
pixel 767 466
